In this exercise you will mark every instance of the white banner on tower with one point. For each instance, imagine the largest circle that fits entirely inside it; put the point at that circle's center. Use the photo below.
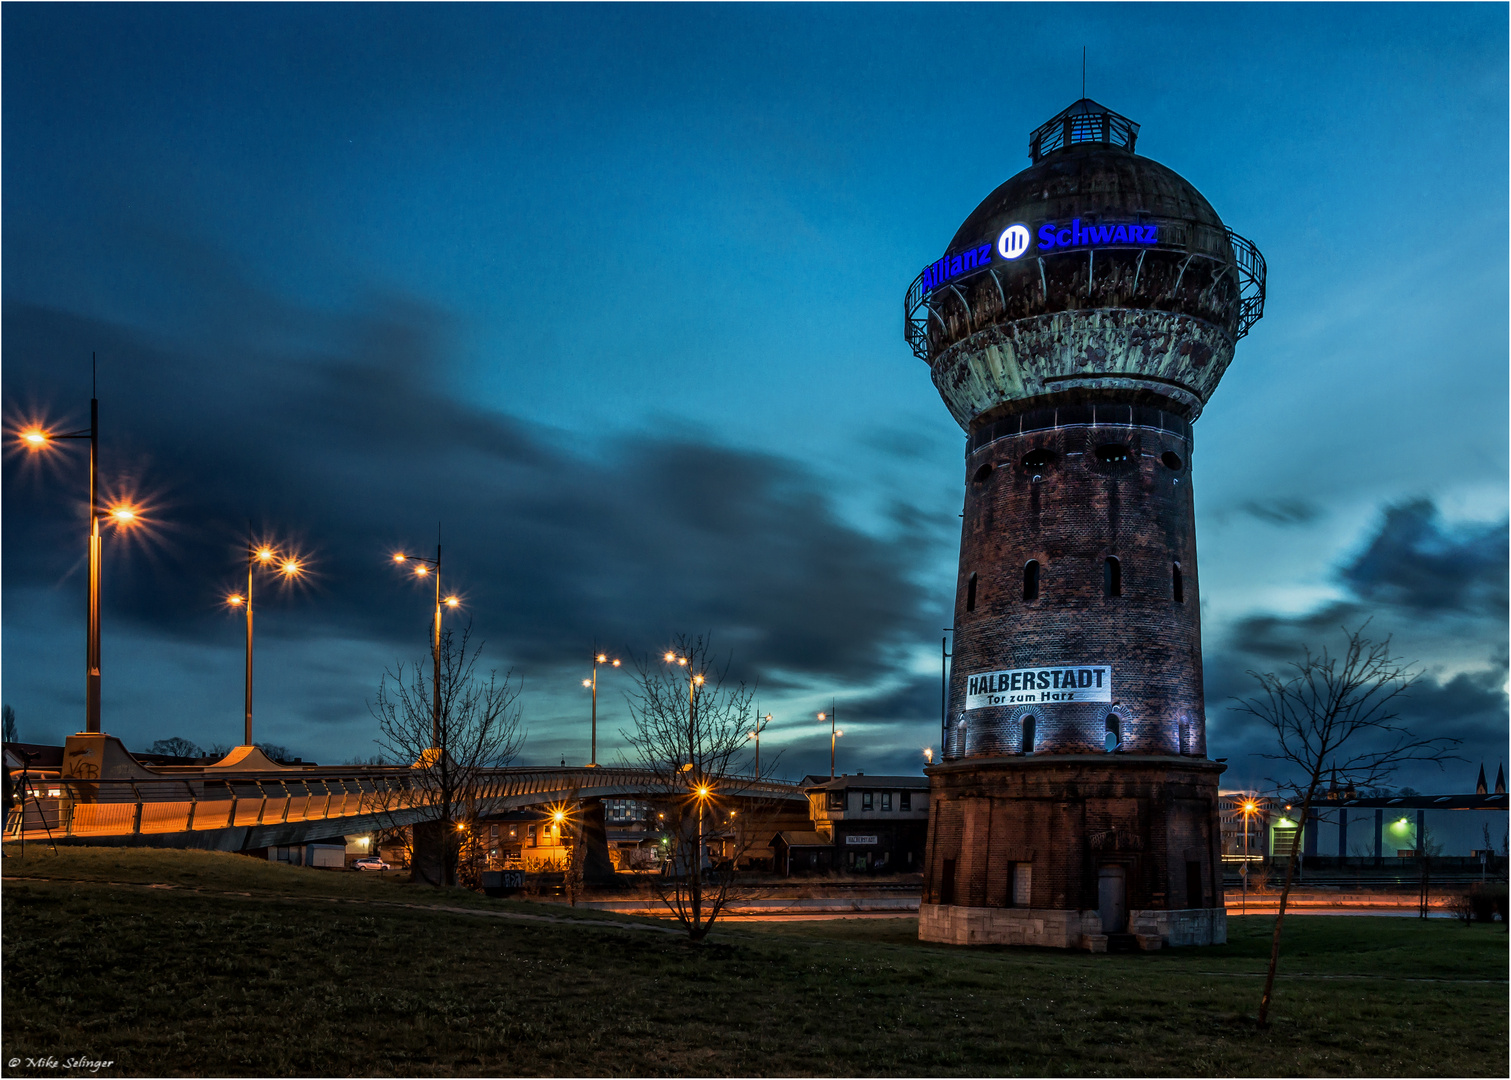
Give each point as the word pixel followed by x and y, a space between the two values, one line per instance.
pixel 1031 686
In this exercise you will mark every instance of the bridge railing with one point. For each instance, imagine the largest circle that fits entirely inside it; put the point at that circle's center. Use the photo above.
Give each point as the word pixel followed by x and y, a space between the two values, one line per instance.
pixel 201 803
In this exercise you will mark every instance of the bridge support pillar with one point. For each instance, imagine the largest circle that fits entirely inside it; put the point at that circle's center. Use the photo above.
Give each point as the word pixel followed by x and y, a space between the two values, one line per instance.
pixel 427 852
pixel 596 864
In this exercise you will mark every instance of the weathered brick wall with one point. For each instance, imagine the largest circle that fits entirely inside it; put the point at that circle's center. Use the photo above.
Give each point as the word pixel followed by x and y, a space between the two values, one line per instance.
pixel 1070 515
pixel 1067 816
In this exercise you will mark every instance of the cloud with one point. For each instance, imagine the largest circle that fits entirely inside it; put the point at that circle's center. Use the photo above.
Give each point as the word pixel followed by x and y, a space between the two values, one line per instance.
pixel 334 430
pixel 1414 562
pixel 1441 594
pixel 1282 511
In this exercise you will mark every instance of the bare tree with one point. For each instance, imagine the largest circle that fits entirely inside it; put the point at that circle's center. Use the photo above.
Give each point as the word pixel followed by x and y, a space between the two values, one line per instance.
pixel 478 728
pixel 8 723
pixel 1338 714
pixel 176 747
pixel 690 728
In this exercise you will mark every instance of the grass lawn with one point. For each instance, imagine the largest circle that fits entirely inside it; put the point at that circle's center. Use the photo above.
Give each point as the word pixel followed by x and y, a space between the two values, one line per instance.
pixel 246 968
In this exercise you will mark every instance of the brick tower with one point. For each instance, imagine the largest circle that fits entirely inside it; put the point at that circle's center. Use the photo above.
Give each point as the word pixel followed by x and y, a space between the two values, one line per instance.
pixel 1079 321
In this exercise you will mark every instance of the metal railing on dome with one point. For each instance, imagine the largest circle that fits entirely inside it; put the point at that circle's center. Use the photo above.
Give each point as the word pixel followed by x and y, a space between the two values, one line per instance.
pixel 1199 241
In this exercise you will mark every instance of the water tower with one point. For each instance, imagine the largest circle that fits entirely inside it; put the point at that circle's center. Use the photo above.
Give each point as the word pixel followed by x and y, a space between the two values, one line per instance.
pixel 1075 327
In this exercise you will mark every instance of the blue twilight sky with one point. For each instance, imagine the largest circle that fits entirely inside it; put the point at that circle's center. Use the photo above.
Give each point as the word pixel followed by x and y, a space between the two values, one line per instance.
pixel 614 292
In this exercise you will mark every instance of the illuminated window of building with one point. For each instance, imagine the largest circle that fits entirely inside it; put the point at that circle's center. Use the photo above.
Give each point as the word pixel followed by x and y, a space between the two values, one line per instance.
pixel 1112 576
pixel 1028 734
pixel 866 801
pixel 1031 580
pixel 530 835
pixel 970 594
pixel 886 800
pixel 1177 584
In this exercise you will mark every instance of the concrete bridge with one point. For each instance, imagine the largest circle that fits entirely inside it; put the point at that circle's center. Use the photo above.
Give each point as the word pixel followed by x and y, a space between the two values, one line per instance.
pixel 247 801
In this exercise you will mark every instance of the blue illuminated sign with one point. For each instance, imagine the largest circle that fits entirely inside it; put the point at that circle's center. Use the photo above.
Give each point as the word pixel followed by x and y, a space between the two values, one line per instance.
pixel 1053 235
pixel 1014 240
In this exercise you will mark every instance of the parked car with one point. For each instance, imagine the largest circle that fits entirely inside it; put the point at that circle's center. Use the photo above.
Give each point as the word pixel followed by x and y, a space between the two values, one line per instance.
pixel 371 862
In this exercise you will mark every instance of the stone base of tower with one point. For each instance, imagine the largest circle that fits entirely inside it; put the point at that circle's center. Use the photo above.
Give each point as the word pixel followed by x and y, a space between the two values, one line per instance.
pixel 1073 850
pixel 1047 927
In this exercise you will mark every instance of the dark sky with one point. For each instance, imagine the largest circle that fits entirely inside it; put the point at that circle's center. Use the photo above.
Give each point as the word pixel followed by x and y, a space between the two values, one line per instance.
pixel 613 294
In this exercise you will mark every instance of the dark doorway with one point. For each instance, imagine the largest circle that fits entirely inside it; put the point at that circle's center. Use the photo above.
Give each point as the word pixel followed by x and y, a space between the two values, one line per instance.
pixel 1112 892
pixel 947 882
pixel 1194 896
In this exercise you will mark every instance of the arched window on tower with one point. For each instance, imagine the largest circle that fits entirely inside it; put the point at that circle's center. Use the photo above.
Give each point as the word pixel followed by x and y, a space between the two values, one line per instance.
pixel 1028 734
pixel 1031 580
pixel 970 594
pixel 1177 584
pixel 1112 738
pixel 1112 577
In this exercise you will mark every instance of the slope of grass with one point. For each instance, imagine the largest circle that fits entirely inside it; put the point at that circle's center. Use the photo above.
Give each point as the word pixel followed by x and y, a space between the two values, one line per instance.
pixel 335 974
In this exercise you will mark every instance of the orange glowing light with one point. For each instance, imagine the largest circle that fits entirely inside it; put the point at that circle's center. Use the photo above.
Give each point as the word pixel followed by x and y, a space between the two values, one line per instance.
pixel 35 438
pixel 698 680
pixel 669 657
pixel 452 601
pixel 602 659
pixel 399 556
pixel 560 815
pixel 682 660
pixel 823 716
pixel 236 599
pixel 703 792
pixel 290 567
pixel 616 663
pixel 587 682
pixel 421 571
pixel 123 515
pixel 1249 807
pixel 265 554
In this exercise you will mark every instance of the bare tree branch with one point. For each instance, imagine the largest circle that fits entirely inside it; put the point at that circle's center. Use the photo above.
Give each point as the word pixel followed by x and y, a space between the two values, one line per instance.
pixel 1336 715
pixel 689 733
pixel 478 730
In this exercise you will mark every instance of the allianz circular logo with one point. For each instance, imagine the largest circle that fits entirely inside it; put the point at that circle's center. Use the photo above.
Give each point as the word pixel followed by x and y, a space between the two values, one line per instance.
pixel 1013 241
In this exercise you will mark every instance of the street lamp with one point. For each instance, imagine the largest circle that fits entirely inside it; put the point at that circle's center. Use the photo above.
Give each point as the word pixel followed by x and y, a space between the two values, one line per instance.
pixel 761 722
pixel 36 438
pixel 598 658
pixel 424 568
pixel 1250 808
pixel 834 734
pixel 290 567
pixel 695 680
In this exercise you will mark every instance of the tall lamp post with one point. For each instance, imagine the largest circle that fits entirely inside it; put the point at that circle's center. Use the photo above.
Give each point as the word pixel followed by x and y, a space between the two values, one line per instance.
pixel 36 438
pixel 1250 808
pixel 289 566
pixel 834 733
pixel 761 722
pixel 598 658
pixel 424 568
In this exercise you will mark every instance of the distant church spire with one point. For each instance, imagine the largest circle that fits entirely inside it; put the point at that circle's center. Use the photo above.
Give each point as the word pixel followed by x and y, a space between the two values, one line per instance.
pixel 1479 785
pixel 1500 780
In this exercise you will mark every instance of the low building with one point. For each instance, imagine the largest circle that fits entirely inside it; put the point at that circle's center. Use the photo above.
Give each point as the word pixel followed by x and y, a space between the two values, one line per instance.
pixel 873 824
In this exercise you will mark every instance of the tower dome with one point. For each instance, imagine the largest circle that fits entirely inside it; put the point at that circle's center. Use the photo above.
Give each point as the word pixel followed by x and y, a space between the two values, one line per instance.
pixel 1093 272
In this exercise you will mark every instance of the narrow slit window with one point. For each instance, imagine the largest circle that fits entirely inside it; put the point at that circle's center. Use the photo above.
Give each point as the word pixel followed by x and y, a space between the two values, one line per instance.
pixel 1112 736
pixel 1112 577
pixel 1031 580
pixel 970 594
pixel 1177 584
pixel 1028 734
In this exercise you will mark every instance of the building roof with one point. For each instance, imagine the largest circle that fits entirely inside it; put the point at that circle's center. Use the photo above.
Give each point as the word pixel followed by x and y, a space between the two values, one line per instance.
pixel 861 780
pixel 802 839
